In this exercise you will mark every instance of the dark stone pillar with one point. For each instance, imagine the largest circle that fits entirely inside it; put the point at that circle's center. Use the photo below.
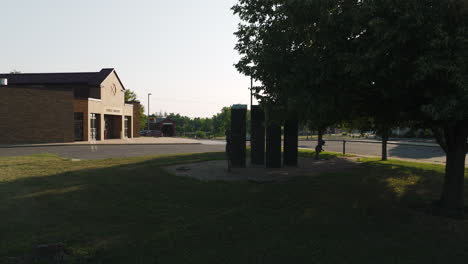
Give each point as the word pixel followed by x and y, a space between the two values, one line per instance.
pixel 273 145
pixel 238 133
pixel 257 138
pixel 291 137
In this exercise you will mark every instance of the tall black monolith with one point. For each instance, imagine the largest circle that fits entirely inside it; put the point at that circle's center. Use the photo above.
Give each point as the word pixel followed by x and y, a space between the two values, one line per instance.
pixel 238 134
pixel 257 137
pixel 273 145
pixel 291 137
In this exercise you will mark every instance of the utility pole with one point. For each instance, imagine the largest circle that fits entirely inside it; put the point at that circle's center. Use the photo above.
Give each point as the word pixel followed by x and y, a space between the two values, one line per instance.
pixel 149 110
pixel 251 92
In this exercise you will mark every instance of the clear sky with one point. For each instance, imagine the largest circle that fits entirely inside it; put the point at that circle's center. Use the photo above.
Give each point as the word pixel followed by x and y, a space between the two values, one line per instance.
pixel 181 51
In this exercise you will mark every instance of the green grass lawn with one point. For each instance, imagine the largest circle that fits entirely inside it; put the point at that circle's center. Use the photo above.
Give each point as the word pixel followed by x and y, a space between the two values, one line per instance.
pixel 131 211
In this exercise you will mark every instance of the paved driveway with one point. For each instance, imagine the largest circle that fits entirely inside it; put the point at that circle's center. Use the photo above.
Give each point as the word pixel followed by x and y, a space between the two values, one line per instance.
pixel 111 151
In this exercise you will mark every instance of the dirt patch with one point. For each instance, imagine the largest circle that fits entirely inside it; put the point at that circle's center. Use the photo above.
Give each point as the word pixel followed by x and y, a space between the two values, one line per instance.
pixel 216 170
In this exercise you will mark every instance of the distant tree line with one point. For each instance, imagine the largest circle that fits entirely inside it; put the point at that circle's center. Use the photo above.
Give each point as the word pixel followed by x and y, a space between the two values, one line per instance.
pixel 214 126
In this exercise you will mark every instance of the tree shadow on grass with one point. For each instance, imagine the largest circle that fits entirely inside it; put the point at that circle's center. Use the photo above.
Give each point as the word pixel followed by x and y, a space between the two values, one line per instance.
pixel 417 185
pixel 138 213
pixel 305 153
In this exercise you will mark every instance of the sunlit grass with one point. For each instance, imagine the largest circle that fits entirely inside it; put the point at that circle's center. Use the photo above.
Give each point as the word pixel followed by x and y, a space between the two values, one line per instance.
pixel 55 191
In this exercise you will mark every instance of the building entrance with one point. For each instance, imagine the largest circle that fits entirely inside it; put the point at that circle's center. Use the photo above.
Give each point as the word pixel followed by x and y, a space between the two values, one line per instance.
pixel 168 130
pixel 112 126
pixel 107 127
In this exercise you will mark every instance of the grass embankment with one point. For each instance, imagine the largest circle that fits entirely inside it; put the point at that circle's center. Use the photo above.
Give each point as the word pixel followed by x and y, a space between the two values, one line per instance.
pixel 131 211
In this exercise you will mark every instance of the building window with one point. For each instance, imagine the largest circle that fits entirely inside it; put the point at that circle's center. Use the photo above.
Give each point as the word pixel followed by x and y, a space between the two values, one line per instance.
pixel 127 126
pixel 94 126
pixel 78 126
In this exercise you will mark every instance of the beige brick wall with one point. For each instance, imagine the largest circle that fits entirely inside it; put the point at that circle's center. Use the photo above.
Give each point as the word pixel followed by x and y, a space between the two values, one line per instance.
pixel 36 115
pixel 110 99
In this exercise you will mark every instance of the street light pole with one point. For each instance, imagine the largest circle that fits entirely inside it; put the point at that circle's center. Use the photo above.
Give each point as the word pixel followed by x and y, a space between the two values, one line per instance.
pixel 251 92
pixel 149 110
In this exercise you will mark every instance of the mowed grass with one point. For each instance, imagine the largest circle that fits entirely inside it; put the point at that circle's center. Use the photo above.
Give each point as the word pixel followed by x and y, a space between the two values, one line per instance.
pixel 131 211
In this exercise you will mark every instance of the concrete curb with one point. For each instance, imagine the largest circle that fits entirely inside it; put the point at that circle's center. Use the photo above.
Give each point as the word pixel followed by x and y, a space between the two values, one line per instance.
pixel 74 145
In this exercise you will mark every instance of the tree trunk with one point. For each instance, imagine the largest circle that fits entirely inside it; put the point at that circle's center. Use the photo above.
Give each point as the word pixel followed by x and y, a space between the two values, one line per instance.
pixel 384 147
pixel 452 199
pixel 385 134
pixel 319 146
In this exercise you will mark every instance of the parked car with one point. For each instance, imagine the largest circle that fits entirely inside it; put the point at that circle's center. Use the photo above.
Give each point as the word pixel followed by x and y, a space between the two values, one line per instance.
pixel 151 133
pixel 156 133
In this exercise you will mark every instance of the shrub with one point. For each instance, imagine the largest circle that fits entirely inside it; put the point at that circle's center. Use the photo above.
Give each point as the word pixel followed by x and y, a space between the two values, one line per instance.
pixel 200 134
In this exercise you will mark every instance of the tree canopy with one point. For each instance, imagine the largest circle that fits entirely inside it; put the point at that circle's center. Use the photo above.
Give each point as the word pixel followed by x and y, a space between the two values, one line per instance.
pixel 387 62
pixel 131 97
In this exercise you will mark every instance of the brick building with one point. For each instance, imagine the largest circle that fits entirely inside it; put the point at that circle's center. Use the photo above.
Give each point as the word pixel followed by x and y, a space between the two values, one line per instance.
pixel 65 107
pixel 165 126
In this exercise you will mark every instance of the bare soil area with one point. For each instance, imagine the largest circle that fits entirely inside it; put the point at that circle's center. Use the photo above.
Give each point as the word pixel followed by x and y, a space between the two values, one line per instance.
pixel 217 170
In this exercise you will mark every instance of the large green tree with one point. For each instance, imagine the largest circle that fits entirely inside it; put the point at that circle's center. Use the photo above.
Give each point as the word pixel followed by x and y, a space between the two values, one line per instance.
pixel 222 121
pixel 299 55
pixel 420 47
pixel 391 61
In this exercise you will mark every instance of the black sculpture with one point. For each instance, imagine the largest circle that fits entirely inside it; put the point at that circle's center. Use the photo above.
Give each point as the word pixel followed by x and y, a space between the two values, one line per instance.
pixel 238 136
pixel 273 145
pixel 257 138
pixel 291 138
pixel 228 149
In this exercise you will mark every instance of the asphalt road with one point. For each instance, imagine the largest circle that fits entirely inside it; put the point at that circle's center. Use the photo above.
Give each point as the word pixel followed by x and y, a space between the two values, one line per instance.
pixel 110 151
pixel 422 153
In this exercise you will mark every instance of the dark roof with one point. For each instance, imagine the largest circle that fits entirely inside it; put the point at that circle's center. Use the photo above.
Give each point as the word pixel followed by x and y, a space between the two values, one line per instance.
pixel 164 119
pixel 160 120
pixel 86 78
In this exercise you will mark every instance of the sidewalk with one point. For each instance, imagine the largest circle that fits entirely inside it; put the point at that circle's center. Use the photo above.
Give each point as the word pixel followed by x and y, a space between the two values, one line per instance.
pixel 392 141
pixel 127 141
